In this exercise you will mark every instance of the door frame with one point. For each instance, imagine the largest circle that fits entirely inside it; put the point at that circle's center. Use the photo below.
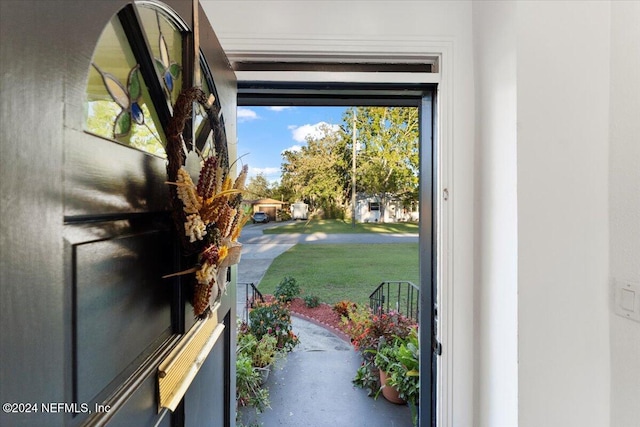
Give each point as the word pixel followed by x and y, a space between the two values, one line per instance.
pixel 294 88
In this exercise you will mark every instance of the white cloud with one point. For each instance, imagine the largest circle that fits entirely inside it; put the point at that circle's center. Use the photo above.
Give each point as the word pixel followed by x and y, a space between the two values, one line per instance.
pixel 271 174
pixel 280 108
pixel 264 171
pixel 245 114
pixel 300 133
pixel 295 148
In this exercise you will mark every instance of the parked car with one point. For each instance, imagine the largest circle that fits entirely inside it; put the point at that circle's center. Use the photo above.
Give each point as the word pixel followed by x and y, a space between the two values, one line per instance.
pixel 260 217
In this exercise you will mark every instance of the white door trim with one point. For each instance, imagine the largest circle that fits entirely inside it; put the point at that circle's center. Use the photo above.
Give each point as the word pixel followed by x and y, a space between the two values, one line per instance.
pixel 440 51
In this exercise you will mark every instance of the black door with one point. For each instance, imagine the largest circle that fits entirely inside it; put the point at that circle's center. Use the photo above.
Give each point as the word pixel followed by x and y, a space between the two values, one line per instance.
pixel 118 234
pixel 105 316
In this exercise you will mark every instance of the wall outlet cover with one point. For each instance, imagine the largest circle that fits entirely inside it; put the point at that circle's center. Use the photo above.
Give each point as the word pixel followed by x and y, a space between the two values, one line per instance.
pixel 626 299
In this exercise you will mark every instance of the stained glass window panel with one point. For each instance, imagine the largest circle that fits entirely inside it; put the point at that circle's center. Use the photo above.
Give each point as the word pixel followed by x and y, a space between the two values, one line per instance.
pixel 118 105
pixel 165 41
pixel 203 134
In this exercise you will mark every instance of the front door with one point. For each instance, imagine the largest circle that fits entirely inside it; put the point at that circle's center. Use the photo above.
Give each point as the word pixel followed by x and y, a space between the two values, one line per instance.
pixel 119 237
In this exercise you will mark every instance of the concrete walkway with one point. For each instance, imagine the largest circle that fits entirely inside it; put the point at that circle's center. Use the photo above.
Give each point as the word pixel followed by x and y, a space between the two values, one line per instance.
pixel 312 386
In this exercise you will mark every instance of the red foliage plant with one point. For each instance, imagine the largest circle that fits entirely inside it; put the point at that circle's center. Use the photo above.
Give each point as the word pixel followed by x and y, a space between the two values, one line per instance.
pixel 366 328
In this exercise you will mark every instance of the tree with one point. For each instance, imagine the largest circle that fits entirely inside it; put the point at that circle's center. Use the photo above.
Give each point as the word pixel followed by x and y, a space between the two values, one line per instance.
pixel 258 187
pixel 315 173
pixel 388 158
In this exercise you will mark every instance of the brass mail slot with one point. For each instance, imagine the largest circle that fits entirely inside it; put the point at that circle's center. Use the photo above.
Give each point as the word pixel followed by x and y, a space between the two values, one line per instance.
pixel 180 367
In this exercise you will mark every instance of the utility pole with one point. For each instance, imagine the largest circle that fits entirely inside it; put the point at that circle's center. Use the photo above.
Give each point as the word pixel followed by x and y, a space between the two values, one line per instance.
pixel 353 173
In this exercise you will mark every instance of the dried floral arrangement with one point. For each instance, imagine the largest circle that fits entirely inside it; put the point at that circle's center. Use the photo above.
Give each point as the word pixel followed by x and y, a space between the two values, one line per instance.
pixel 207 215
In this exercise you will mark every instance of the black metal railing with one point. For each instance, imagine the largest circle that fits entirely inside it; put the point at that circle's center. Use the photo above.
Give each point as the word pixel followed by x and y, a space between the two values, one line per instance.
pixel 400 296
pixel 251 295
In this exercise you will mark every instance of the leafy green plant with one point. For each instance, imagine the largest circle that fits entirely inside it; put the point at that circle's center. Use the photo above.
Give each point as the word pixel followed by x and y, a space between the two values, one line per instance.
pixel 265 352
pixel 287 289
pixel 385 355
pixel 400 360
pixel 273 318
pixel 248 389
pixel 367 377
pixel 262 352
pixel 311 301
pixel 246 341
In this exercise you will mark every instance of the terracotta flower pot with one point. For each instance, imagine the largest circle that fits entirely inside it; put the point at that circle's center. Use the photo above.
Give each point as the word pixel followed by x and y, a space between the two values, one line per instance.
pixel 390 393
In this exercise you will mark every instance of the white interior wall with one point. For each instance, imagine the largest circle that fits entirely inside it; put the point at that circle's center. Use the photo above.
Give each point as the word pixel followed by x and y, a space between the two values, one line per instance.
pixel 317 26
pixel 624 200
pixel 496 229
pixel 563 239
pixel 561 177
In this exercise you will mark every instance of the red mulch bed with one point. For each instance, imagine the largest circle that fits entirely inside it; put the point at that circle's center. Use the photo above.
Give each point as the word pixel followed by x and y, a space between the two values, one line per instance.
pixel 322 315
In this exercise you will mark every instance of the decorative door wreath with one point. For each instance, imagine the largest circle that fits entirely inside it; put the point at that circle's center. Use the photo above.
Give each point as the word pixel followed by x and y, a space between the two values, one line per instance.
pixel 207 216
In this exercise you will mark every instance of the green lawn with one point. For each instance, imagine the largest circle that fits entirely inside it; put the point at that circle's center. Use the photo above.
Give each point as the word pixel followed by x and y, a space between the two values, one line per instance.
pixel 343 271
pixel 336 226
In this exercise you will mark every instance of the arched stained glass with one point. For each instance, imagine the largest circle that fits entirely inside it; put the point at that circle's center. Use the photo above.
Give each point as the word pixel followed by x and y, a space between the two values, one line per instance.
pixel 165 41
pixel 203 133
pixel 118 104
pixel 136 76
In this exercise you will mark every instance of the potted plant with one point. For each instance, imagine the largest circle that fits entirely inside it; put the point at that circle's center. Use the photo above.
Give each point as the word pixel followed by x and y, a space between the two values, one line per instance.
pixel 400 362
pixel 264 354
pixel 248 387
pixel 385 359
pixel 366 330
pixel 274 319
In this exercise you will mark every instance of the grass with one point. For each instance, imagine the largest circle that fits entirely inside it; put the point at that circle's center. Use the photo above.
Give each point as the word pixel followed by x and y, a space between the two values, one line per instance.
pixel 343 271
pixel 337 226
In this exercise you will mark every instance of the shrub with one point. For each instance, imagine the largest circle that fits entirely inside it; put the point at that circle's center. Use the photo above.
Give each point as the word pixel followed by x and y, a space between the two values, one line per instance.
pixel 357 322
pixel 343 307
pixel 284 215
pixel 332 211
pixel 388 325
pixel 366 328
pixel 311 301
pixel 273 318
pixel 287 289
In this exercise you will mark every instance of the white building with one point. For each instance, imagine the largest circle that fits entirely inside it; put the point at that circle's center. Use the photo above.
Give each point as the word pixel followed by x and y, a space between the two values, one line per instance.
pixel 369 209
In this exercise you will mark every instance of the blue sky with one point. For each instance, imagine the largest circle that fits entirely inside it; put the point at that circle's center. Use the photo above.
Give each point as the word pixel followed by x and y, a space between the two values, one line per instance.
pixel 265 132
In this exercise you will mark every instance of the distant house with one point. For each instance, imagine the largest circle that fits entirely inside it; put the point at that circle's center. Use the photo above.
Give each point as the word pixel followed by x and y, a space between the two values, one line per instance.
pixel 271 207
pixel 368 209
